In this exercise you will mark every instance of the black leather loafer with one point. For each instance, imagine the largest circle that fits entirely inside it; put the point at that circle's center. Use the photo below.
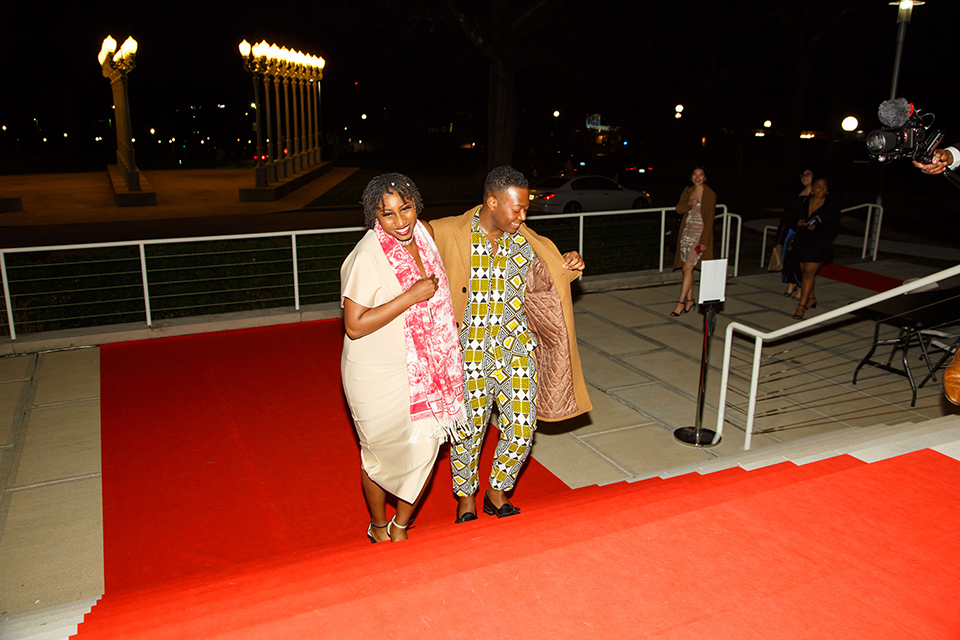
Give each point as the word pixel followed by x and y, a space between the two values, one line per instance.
pixel 506 510
pixel 466 517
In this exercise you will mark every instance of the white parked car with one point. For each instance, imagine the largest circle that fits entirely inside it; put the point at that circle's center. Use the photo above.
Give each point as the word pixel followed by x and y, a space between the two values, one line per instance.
pixel 584 193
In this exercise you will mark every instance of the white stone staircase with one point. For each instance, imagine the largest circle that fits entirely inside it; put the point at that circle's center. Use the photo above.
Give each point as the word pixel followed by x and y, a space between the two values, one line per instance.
pixel 868 444
pixel 53 623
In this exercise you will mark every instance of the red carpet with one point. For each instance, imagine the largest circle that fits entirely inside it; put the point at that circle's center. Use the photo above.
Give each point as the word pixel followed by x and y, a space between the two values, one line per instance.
pixel 833 550
pixel 858 277
pixel 228 519
pixel 225 448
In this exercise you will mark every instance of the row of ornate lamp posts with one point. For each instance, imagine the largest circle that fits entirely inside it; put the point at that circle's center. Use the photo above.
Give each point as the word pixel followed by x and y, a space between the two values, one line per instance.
pixel 295 147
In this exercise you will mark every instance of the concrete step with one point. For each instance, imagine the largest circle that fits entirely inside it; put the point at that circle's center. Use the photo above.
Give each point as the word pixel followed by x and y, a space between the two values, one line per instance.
pixel 51 623
pixel 865 443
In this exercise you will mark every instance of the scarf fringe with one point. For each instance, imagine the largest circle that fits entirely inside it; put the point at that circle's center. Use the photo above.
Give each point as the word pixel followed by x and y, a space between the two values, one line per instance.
pixel 443 429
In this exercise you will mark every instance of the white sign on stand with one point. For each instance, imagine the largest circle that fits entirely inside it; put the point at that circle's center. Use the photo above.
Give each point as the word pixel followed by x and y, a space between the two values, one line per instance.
pixel 713 280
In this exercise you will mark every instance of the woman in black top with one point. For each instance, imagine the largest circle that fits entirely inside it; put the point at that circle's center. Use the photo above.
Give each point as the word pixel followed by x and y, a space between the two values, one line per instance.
pixel 816 219
pixel 790 270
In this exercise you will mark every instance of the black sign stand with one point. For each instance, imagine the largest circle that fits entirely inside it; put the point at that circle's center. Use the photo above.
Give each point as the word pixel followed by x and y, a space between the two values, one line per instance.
pixel 696 435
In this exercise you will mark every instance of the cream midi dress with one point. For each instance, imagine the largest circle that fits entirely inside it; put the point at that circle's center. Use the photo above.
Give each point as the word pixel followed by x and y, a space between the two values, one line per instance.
pixel 374 373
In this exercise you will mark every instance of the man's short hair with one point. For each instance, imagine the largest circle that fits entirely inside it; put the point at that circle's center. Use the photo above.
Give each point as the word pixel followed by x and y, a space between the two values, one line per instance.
pixel 502 178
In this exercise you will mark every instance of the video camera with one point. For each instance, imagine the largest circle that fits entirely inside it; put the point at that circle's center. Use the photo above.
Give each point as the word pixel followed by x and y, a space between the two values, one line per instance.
pixel 906 133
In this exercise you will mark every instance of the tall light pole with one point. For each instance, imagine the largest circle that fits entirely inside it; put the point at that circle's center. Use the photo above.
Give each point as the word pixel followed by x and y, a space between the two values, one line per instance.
pixel 904 14
pixel 255 61
pixel 115 65
pixel 903 19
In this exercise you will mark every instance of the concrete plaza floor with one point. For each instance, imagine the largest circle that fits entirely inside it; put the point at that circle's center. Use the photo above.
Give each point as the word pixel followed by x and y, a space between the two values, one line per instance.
pixel 642 367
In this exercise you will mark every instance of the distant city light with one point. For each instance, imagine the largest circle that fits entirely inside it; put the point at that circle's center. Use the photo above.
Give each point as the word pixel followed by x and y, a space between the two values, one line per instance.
pixel 4 127
pixel 221 106
pixel 678 115
pixel 363 117
pixel 64 135
pixel 806 135
pixel 624 143
pixel 767 124
pixel 850 123
pixel 556 114
pixel 44 139
pixel 152 131
pixel 759 134
pixel 253 105
pixel 678 108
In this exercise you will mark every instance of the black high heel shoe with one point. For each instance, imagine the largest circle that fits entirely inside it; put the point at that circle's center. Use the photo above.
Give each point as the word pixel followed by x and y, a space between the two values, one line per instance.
pixel 798 314
pixel 812 306
pixel 683 303
pixel 689 304
pixel 370 529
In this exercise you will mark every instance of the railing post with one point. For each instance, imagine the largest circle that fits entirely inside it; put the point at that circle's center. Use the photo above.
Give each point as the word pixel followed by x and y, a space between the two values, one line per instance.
pixel 724 379
pixel 866 232
pixel 876 239
pixel 296 273
pixel 146 286
pixel 6 295
pixel 724 234
pixel 754 381
pixel 581 234
pixel 763 246
pixel 663 235
pixel 736 260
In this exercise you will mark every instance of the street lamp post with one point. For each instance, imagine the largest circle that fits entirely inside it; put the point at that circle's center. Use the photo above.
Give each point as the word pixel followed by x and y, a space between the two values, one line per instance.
pixel 275 65
pixel 115 65
pixel 254 61
pixel 904 14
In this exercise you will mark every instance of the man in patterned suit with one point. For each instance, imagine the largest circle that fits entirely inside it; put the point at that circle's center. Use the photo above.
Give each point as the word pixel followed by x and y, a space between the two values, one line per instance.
pixel 488 253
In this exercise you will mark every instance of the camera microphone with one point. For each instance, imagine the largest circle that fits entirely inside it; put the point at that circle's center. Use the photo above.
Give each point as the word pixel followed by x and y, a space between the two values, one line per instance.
pixel 895 112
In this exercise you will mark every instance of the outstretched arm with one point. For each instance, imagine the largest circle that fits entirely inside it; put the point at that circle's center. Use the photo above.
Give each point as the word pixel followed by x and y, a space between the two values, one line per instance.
pixel 943 159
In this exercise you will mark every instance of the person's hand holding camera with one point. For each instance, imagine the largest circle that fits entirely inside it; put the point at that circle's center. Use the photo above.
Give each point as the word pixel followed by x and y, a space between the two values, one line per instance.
pixel 942 160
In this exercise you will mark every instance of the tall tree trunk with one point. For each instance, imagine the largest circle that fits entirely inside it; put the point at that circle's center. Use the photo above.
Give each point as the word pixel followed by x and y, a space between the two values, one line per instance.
pixel 501 112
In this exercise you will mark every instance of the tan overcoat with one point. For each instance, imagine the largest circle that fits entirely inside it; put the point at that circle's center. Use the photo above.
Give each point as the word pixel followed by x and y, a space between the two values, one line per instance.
pixel 453 241
pixel 707 207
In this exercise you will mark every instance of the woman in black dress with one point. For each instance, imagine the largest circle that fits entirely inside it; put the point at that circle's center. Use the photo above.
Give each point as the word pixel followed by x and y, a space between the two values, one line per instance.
pixel 816 219
pixel 790 271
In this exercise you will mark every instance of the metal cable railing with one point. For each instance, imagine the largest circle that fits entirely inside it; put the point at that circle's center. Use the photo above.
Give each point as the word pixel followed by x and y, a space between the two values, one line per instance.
pixel 808 367
pixel 65 286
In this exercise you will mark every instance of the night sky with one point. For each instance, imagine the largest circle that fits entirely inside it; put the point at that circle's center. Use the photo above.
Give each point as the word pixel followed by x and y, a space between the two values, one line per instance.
pixel 408 66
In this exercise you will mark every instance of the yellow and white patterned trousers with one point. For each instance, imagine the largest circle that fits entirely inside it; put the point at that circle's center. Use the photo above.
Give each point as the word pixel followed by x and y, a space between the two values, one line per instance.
pixel 512 391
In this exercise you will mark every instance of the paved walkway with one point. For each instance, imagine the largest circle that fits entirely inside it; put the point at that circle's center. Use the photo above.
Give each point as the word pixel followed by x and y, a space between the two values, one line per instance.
pixel 642 367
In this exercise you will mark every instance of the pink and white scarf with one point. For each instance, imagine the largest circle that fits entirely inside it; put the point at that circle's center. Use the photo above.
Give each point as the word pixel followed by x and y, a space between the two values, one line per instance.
pixel 434 361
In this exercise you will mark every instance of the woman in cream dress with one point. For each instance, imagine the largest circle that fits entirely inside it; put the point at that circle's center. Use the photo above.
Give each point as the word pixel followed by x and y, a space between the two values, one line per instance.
pixel 397 452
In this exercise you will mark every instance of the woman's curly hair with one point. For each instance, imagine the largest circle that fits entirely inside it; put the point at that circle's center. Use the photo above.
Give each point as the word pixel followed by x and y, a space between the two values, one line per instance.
pixel 377 188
